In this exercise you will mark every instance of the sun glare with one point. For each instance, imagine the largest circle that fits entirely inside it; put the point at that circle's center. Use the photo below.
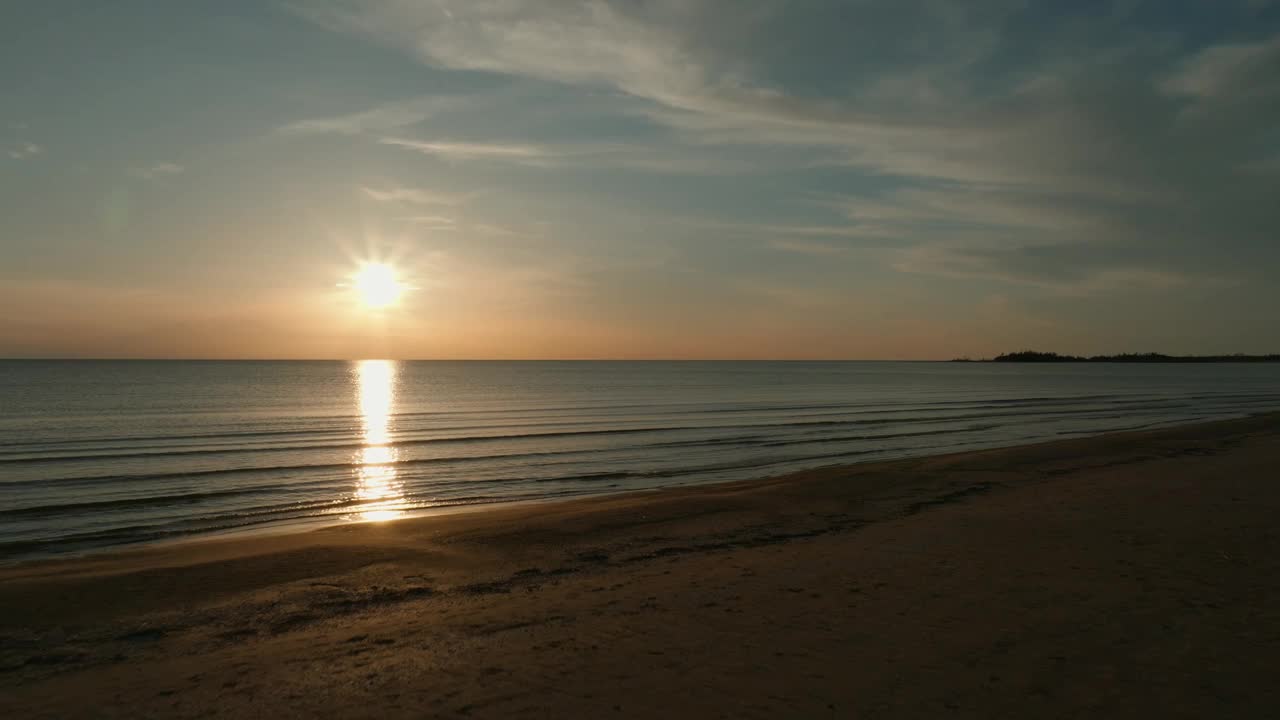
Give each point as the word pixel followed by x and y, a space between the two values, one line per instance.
pixel 379 490
pixel 377 285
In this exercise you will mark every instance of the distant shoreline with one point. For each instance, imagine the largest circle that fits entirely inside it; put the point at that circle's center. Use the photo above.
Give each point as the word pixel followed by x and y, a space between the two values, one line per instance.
pixel 1031 356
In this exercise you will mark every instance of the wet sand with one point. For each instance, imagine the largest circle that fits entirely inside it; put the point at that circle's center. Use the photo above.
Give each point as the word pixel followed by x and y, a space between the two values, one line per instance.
pixel 1127 575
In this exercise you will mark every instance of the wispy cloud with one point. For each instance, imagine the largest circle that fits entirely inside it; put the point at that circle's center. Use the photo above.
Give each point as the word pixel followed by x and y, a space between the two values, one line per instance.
pixel 661 159
pixel 493 229
pixel 866 234
pixel 383 118
pixel 563 42
pixel 1069 270
pixel 1227 71
pixel 809 247
pixel 159 170
pixel 470 150
pixel 434 222
pixel 21 150
pixel 415 196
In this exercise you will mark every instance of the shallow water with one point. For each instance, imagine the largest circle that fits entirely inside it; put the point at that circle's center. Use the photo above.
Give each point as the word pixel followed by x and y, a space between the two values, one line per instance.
pixel 101 453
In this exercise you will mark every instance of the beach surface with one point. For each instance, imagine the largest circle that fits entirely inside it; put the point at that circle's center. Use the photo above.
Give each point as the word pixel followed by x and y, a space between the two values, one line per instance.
pixel 1126 575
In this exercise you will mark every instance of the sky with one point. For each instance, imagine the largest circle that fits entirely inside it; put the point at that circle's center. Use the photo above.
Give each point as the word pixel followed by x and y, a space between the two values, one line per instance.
pixel 896 179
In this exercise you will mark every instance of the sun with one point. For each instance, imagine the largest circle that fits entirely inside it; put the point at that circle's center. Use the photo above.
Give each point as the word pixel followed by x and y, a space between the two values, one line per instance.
pixel 377 285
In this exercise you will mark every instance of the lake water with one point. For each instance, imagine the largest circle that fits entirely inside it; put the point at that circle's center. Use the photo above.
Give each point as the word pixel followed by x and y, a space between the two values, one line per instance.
pixel 96 454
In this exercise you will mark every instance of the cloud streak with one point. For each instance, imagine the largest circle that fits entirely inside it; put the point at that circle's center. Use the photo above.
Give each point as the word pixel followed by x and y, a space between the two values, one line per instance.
pixel 470 150
pixel 383 118
pixel 159 170
pixel 414 196
pixel 23 150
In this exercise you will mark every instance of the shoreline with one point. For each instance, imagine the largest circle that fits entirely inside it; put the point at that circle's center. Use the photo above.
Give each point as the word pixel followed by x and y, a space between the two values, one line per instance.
pixel 319 524
pixel 304 525
pixel 801 574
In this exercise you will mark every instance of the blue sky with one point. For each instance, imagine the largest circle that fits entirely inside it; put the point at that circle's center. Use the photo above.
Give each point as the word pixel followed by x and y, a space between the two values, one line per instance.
pixel 907 179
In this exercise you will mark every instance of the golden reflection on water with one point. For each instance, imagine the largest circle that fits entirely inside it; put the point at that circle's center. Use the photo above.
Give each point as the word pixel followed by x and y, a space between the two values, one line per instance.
pixel 380 493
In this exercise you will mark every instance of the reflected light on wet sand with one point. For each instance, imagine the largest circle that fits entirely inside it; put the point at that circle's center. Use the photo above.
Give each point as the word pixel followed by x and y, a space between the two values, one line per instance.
pixel 378 491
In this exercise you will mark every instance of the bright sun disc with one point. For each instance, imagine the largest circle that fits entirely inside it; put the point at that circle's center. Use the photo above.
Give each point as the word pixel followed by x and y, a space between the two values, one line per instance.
pixel 377 285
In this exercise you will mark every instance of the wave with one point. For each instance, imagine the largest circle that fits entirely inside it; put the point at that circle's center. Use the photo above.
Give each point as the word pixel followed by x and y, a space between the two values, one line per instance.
pixel 232 471
pixel 355 445
pixel 350 428
pixel 756 440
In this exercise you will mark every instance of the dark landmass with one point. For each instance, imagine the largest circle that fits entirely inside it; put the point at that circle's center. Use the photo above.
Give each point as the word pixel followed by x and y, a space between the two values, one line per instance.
pixel 1032 356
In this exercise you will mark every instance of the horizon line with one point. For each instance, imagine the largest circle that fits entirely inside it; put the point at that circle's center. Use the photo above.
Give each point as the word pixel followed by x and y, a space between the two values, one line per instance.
pixel 469 359
pixel 578 359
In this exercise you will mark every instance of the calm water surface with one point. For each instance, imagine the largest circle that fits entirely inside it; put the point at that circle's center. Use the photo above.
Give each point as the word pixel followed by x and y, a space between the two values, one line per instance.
pixel 101 453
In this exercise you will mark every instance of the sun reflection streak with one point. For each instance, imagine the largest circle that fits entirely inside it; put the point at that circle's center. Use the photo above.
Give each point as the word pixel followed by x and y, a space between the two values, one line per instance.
pixel 378 489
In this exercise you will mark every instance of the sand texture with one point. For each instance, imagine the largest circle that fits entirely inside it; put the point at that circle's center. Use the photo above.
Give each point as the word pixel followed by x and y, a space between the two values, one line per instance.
pixel 1129 575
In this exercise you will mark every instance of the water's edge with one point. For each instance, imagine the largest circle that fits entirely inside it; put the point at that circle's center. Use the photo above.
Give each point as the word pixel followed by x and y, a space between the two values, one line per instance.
pixel 98 455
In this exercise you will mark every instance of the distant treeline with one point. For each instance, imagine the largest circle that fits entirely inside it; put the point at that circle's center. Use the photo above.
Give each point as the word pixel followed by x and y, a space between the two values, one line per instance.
pixel 1031 356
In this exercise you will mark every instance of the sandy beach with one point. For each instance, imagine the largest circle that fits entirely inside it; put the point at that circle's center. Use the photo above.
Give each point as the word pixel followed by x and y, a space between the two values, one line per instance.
pixel 1134 574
